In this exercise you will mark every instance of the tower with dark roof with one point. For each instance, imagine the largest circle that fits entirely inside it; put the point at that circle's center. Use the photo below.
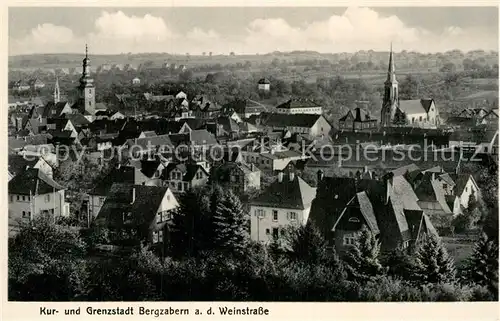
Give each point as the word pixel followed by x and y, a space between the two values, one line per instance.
pixel 391 98
pixel 86 88
pixel 57 92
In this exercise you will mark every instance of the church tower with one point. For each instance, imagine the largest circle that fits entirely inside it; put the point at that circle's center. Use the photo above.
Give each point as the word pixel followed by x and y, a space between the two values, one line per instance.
pixel 391 97
pixel 86 89
pixel 57 92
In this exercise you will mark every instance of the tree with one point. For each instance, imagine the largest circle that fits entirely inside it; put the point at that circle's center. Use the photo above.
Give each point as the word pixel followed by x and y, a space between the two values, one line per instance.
pixel 307 244
pixel 399 264
pixel 230 224
pixel 482 266
pixel 362 259
pixel 432 262
pixel 448 67
pixel 46 263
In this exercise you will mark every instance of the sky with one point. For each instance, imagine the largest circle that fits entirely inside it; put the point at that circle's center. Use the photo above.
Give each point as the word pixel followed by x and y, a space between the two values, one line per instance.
pixel 250 30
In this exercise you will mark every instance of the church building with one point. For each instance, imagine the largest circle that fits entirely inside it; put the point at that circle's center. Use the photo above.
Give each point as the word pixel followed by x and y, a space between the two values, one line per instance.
pixel 409 113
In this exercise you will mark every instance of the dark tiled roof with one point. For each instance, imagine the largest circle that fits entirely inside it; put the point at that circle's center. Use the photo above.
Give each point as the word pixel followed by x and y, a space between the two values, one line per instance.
pixel 77 119
pixel 120 202
pixel 17 163
pixel 293 194
pixel 461 182
pixel 290 120
pixel 123 174
pixel 404 169
pixel 32 181
pixel 297 103
pixel 54 109
pixel 188 170
pixel 264 81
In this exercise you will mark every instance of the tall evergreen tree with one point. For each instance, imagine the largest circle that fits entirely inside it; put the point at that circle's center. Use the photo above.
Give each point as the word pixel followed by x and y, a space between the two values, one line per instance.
pixel 362 260
pixel 482 266
pixel 230 223
pixel 432 262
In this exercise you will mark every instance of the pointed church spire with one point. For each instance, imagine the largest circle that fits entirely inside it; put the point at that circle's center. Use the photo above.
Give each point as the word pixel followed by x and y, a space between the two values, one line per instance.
pixel 57 91
pixel 391 72
pixel 87 50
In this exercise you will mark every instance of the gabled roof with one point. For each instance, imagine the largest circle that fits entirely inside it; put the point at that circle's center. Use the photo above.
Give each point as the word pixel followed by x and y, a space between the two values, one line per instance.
pixel 77 119
pixel 33 182
pixel 415 106
pixel 404 169
pixel 202 137
pixel 429 189
pixel 120 203
pixel 286 120
pixel 123 174
pixel 363 203
pixel 264 81
pixel 298 103
pixel 17 163
pixel 290 194
pixel 188 170
pixel 461 182
pixel 52 109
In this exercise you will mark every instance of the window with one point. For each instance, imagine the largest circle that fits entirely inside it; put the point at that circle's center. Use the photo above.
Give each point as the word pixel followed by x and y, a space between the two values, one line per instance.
pixel 18 197
pixel 90 103
pixel 47 198
pixel 155 237
pixel 101 200
pixel 275 215
pixel 179 186
pixel 413 119
pixel 160 236
pixel 420 118
pixel 186 186
pixel 275 232
pixel 24 198
pixel 292 216
pixel 24 214
pixel 445 186
pixel 353 219
pixel 268 231
pixel 466 189
pixel 158 218
pixel 349 240
pixel 260 213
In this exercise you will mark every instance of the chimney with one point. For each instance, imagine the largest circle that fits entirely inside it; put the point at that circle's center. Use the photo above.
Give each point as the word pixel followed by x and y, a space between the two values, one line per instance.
pixel 280 177
pixel 133 195
pixel 320 174
pixel 291 175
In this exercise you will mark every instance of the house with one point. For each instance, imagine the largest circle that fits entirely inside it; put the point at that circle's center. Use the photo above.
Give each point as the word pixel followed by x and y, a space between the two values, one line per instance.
pixel 121 174
pixel 19 163
pixel 205 109
pixel 310 124
pixel 245 108
pixel 32 193
pixel 109 114
pixel 431 195
pixel 136 81
pixel 465 187
pixel 264 84
pixel 388 208
pixel 142 210
pixel 181 177
pixel 299 106
pixel 278 160
pixel 238 176
pixel 36 83
pixel 20 86
pixel 357 120
pixel 286 202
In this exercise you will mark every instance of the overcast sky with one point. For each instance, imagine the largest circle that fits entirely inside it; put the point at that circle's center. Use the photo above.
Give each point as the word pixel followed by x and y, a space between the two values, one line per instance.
pixel 250 30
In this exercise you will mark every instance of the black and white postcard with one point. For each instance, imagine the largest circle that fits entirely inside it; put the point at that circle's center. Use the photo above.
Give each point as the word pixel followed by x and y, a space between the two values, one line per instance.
pixel 237 157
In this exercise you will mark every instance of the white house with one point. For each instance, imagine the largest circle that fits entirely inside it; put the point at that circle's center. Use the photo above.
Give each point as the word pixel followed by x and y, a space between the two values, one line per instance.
pixel 286 202
pixel 264 84
pixel 420 112
pixel 136 81
pixel 32 193
pixel 465 186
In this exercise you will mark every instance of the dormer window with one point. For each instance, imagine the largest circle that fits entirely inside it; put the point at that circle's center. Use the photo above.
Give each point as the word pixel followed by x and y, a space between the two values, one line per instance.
pixel 354 219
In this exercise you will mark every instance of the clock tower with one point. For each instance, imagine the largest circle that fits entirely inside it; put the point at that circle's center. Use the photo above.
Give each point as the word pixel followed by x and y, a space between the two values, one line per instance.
pixel 86 89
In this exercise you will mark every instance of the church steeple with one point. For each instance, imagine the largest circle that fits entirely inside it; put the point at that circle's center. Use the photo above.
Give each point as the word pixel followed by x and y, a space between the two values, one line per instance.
pixel 391 97
pixel 57 91
pixel 391 72
pixel 86 88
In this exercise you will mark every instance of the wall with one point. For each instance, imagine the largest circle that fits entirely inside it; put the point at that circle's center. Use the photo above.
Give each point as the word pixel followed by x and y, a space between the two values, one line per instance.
pixel 320 128
pixel 36 206
pixel 258 226
pixel 464 198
